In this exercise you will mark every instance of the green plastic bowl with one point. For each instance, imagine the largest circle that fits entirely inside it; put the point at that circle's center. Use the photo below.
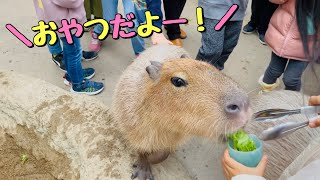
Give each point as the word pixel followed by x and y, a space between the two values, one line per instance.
pixel 249 159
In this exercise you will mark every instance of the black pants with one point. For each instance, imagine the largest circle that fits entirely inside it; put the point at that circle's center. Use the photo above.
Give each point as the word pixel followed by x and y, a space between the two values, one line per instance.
pixel 262 11
pixel 173 10
pixel 292 71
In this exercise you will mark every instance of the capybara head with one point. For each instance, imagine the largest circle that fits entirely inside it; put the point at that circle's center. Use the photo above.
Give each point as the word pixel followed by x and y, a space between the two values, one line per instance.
pixel 194 98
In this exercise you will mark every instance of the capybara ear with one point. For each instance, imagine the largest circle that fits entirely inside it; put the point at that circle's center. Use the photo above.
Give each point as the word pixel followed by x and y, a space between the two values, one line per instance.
pixel 154 70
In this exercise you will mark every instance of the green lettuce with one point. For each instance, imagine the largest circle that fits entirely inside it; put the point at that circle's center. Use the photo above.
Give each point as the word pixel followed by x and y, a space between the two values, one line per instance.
pixel 242 142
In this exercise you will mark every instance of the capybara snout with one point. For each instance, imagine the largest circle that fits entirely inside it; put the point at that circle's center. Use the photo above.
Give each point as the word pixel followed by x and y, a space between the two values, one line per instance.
pixel 237 108
pixel 237 103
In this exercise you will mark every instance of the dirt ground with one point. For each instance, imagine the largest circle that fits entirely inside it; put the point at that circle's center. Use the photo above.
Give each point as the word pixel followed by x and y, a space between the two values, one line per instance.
pixel 245 65
pixel 42 162
pixel 13 168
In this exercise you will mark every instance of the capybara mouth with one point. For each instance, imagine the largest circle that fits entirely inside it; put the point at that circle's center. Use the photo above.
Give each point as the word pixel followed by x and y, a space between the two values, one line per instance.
pixel 223 138
pixel 240 121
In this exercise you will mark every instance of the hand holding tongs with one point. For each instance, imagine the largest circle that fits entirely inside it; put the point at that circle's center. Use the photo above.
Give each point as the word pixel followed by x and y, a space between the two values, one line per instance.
pixel 284 129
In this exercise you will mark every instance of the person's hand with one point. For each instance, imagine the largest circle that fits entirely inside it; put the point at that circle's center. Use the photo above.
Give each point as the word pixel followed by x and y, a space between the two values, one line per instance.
pixel 314 101
pixel 158 38
pixel 232 168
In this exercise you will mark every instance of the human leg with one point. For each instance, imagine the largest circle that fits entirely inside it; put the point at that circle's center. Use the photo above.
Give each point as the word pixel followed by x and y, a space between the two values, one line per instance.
pixel 56 53
pixel 110 9
pixel 292 74
pixel 173 10
pixel 72 54
pixel 264 18
pixel 275 69
pixel 212 43
pixel 138 43
pixel 231 38
pixel 254 20
pixel 270 80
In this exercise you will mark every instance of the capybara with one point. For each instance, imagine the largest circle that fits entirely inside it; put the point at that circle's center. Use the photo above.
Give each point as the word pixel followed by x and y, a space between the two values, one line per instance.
pixel 164 97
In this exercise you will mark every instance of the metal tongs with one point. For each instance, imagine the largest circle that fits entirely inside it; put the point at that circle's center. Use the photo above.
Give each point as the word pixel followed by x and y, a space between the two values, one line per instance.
pixel 284 129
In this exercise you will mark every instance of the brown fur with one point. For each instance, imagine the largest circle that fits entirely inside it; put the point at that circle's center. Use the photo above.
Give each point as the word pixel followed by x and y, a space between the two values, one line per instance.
pixel 154 115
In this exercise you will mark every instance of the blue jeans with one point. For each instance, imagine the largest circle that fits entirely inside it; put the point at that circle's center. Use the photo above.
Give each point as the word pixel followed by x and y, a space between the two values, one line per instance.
pixel 110 9
pixel 292 71
pixel 56 48
pixel 72 55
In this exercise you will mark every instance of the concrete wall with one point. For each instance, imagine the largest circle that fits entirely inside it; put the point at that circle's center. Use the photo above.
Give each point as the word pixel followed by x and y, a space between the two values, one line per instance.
pixel 73 132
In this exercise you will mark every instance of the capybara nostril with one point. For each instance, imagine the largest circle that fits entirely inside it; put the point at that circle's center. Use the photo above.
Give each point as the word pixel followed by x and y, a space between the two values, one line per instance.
pixel 236 105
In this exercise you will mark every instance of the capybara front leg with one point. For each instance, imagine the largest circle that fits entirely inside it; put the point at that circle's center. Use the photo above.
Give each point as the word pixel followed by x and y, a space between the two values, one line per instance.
pixel 142 168
pixel 158 157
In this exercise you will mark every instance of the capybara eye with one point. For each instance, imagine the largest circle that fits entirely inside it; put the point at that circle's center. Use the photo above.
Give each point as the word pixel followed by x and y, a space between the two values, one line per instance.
pixel 178 82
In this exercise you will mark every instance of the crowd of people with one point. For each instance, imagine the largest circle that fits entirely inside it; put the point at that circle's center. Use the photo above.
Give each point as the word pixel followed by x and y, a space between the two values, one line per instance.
pixel 289 27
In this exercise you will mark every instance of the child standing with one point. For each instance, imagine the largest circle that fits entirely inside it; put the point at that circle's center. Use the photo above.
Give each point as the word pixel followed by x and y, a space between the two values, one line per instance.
pixel 218 45
pixel 56 49
pixel 57 10
pixel 288 57
pixel 138 7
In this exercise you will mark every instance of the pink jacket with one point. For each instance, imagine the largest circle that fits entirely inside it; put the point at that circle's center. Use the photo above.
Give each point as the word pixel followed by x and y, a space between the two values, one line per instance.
pixel 283 34
pixel 57 10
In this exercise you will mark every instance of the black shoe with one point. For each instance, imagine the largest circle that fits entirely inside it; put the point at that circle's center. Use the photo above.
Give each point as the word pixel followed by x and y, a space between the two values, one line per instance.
pixel 89 55
pixel 58 60
pixel 86 56
pixel 261 39
pixel 248 29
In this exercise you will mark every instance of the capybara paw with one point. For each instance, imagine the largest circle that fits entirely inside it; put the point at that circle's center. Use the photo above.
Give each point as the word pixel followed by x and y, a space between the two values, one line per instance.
pixel 142 171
